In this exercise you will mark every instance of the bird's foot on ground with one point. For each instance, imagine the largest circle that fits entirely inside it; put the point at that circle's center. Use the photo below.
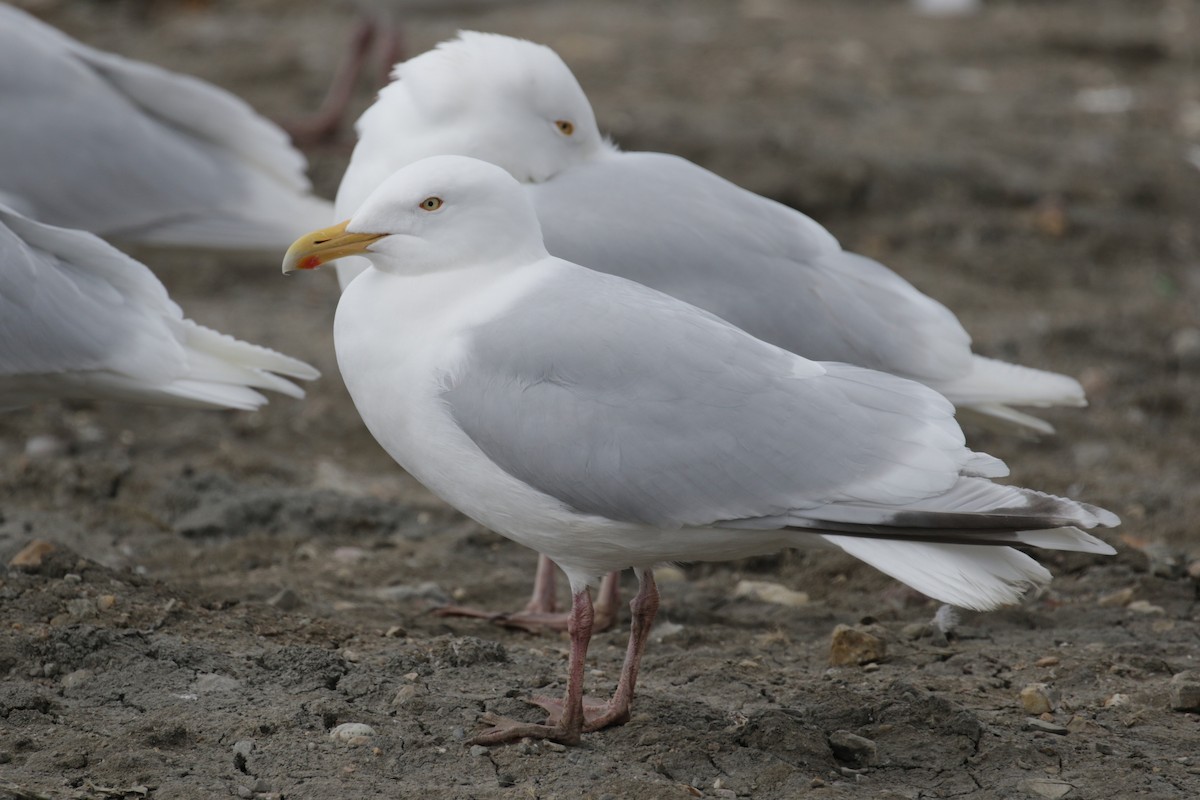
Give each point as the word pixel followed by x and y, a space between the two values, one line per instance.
pixel 529 621
pixel 505 730
pixel 597 713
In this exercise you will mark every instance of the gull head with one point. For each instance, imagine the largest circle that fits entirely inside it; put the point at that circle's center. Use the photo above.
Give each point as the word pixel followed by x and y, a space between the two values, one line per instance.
pixel 507 101
pixel 440 213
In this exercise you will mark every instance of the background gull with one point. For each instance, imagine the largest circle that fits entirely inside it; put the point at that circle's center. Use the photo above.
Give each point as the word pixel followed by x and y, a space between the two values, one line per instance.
pixel 608 425
pixel 124 149
pixel 78 318
pixel 672 225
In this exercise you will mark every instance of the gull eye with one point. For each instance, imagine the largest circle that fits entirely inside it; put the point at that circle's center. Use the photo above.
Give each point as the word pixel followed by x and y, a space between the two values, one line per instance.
pixel 431 204
pixel 565 127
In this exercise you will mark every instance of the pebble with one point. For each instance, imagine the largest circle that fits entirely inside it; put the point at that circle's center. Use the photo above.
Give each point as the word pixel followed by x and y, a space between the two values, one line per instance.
pixel 1185 691
pixel 851 747
pixel 285 600
pixel 1116 599
pixel 76 679
pixel 478 750
pixel 1051 790
pixel 1145 607
pixel 767 592
pixel 1116 700
pixel 245 792
pixel 32 555
pixel 353 733
pixel 244 748
pixel 853 646
pixel 404 695
pixel 1036 699
pixel 1047 661
pixel 1035 724
pixel 44 446
pixel 669 575
pixel 106 601
pixel 1185 347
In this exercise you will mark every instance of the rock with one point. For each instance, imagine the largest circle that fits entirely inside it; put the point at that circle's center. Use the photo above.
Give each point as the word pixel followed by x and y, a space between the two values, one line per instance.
pixel 73 680
pixel 285 600
pixel 1036 699
pixel 353 733
pixel 1185 347
pixel 853 646
pixel 244 747
pixel 478 750
pixel 106 601
pixel 915 630
pixel 850 747
pixel 1145 607
pixel 1046 661
pixel 404 695
pixel 1035 724
pixel 669 574
pixel 245 792
pixel 31 555
pixel 1116 599
pixel 1116 700
pixel 1049 789
pixel 44 446
pixel 767 592
pixel 1185 691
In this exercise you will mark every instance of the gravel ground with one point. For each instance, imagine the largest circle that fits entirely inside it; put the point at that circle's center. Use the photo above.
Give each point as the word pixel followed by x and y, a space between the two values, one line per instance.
pixel 229 590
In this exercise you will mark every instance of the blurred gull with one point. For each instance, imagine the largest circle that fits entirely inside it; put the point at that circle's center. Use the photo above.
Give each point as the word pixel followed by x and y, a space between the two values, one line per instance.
pixel 608 425
pixel 78 318
pixel 124 149
pixel 672 225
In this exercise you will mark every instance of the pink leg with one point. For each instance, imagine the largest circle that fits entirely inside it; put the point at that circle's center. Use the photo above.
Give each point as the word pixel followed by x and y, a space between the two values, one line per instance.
pixel 569 726
pixel 540 614
pixel 322 125
pixel 644 608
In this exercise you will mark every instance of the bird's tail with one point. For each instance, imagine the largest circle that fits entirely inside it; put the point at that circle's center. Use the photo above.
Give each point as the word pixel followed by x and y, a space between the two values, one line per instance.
pixel 993 387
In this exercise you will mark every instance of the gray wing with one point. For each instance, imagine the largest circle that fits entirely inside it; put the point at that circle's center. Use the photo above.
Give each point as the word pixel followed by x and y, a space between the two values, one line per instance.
pixel 80 318
pixel 669 224
pixel 94 141
pixel 625 403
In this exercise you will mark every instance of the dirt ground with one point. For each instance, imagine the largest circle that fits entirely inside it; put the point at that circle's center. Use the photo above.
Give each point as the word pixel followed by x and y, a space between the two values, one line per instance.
pixel 229 588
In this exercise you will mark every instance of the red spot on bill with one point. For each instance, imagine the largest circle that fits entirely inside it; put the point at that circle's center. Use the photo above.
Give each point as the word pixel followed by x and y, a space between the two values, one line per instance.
pixel 312 262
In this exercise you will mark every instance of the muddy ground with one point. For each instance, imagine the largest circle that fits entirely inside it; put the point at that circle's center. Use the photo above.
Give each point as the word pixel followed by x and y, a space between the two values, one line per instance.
pixel 228 588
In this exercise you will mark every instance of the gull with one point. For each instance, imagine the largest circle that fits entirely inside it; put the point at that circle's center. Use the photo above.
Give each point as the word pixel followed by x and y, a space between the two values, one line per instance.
pixel 610 426
pixel 128 150
pixel 667 223
pixel 79 318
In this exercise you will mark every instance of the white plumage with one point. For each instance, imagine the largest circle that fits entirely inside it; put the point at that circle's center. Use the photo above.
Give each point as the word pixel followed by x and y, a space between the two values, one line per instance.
pixel 78 318
pixel 124 149
pixel 609 426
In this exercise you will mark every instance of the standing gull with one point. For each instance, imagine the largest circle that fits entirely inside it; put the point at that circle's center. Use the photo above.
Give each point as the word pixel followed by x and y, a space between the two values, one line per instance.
pixel 79 318
pixel 124 149
pixel 667 223
pixel 610 426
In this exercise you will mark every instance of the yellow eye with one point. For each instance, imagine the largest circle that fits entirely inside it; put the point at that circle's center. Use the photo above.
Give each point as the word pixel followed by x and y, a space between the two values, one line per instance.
pixel 565 127
pixel 431 203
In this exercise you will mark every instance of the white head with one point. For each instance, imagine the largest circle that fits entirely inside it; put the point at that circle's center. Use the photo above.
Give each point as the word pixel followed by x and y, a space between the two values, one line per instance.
pixel 503 100
pixel 440 213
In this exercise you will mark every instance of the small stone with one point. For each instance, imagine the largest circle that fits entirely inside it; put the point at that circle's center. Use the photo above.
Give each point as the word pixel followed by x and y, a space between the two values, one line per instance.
pixel 767 592
pixel 72 761
pixel 5 757
pixel 1051 790
pixel 1185 691
pixel 1145 607
pixel 1116 599
pixel 261 786
pixel 1185 347
pixel 853 646
pixel 851 747
pixel 1036 699
pixel 352 733
pixel 395 632
pixel 915 630
pixel 73 680
pixel 72 578
pixel 1116 700
pixel 1046 661
pixel 404 695
pixel 245 792
pixel 31 555
pixel 562 748
pixel 244 747
pixel 669 575
pixel 665 630
pixel 478 750
pixel 106 601
pixel 44 446
pixel 285 600
pixel 349 555
pixel 1193 570
pixel 1035 724
pixel 817 783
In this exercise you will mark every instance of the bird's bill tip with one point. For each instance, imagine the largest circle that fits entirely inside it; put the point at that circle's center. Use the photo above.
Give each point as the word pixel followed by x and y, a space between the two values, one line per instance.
pixel 328 244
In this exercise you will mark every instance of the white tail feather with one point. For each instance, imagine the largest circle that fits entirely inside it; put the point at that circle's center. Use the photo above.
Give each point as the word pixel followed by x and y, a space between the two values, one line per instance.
pixel 992 386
